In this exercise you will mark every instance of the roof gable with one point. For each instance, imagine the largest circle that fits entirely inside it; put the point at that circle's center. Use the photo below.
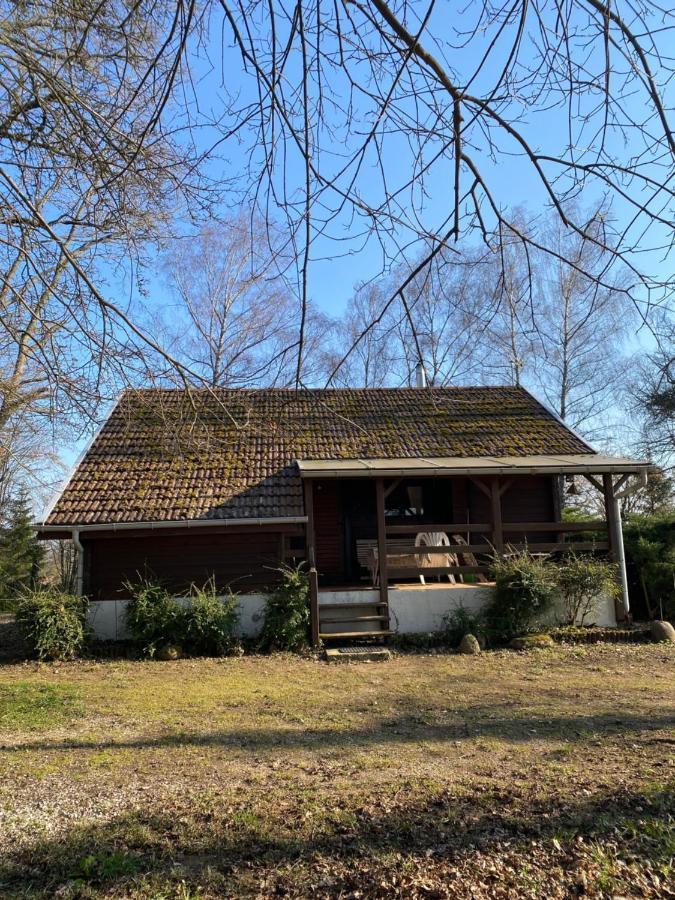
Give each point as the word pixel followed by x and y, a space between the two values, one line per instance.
pixel 227 453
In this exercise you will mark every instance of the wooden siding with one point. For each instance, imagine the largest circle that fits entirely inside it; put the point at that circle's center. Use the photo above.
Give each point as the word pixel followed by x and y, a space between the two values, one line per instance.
pixel 245 561
pixel 329 533
pixel 529 498
pixel 246 558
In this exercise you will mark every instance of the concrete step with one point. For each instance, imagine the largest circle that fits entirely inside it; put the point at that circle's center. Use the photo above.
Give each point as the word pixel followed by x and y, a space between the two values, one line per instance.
pixel 346 619
pixel 352 635
pixel 350 605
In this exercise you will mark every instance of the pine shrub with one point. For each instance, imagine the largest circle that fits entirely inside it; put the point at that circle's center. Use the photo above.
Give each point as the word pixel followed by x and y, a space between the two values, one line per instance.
pixel 154 617
pixel 526 589
pixel 53 624
pixel 210 623
pixel 201 625
pixel 287 621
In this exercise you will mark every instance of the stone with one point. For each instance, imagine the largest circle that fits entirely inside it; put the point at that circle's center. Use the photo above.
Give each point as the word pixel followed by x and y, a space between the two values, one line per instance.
pixel 662 631
pixel 169 652
pixel 469 645
pixel 532 641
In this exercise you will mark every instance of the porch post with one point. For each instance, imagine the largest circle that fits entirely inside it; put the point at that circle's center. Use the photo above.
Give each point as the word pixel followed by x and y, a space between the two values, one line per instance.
pixel 497 527
pixel 308 485
pixel 615 535
pixel 381 541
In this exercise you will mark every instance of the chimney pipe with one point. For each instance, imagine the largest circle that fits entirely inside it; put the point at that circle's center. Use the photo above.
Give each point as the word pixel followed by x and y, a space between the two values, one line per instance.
pixel 420 375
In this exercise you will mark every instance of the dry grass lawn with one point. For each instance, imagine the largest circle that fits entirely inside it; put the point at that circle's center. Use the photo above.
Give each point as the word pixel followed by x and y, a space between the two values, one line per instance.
pixel 543 774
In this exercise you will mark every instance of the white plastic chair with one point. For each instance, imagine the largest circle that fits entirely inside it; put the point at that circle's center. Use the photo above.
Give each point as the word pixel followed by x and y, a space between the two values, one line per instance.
pixel 436 539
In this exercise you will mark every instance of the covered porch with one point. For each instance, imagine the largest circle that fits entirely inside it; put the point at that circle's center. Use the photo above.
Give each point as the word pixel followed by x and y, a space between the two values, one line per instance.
pixel 381 533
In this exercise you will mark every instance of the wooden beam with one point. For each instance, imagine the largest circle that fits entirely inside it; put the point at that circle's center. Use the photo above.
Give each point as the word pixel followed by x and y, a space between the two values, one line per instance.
pixel 497 527
pixel 590 525
pixel 594 481
pixel 439 570
pixel 620 483
pixel 315 625
pixel 456 527
pixel 507 527
pixel 481 485
pixel 127 533
pixel 309 527
pixel 392 487
pixel 436 550
pixel 505 486
pixel 382 541
pixel 541 547
pixel 314 607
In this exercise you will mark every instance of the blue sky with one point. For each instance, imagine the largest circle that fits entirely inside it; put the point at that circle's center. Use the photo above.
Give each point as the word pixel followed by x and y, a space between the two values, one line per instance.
pixel 343 257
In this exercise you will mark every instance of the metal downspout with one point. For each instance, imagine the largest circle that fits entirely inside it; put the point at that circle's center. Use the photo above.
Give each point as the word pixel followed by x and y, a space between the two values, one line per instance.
pixel 79 577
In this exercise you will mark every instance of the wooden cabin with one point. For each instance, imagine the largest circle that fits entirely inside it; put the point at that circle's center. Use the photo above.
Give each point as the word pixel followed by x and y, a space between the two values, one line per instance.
pixel 395 498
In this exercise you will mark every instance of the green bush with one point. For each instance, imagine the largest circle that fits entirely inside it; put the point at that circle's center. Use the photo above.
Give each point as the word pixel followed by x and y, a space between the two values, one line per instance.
pixel 650 557
pixel 581 582
pixel 153 616
pixel 210 623
pixel 203 625
pixel 526 589
pixel 287 621
pixel 53 624
pixel 459 622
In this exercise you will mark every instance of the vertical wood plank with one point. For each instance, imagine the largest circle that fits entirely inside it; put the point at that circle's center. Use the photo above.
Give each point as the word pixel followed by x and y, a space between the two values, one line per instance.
pixel 381 541
pixel 314 606
pixel 497 526
pixel 308 486
pixel 608 496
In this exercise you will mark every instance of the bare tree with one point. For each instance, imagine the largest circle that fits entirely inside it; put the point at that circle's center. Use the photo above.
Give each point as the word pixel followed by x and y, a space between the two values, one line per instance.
pixel 88 176
pixel 375 360
pixel 26 463
pixel 510 317
pixel 346 121
pixel 557 330
pixel 390 104
pixel 234 320
pixel 444 318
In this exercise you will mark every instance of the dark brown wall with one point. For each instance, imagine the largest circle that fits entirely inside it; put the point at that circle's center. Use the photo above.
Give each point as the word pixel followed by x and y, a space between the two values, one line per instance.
pixel 528 499
pixel 328 529
pixel 246 561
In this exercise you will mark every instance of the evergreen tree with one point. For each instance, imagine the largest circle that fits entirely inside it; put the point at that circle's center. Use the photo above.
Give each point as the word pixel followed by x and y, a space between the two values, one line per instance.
pixel 21 554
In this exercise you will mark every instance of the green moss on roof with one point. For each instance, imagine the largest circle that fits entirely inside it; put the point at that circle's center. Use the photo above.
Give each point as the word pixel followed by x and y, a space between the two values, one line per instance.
pixel 167 454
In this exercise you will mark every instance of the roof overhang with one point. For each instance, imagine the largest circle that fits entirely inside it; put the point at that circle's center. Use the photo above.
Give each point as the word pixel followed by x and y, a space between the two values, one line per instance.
pixel 575 464
pixel 270 522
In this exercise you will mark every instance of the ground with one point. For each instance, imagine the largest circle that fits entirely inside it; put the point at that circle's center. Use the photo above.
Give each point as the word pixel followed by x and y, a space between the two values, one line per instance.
pixel 547 773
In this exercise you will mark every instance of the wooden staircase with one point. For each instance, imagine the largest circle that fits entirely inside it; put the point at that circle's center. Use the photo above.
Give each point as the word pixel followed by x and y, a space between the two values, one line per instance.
pixel 367 620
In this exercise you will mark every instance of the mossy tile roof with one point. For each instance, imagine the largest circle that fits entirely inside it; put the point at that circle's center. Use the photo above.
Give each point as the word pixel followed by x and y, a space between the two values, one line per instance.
pixel 176 455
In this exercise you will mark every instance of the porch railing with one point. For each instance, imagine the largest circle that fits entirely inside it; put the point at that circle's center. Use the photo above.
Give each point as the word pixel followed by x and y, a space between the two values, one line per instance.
pixel 513 541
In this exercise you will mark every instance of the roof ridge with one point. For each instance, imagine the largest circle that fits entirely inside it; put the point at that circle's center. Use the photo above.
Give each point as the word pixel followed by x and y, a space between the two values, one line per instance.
pixel 317 390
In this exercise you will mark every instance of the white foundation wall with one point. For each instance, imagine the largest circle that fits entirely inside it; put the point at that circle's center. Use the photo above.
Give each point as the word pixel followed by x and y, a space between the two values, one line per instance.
pixel 417 609
pixel 107 618
pixel 412 609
